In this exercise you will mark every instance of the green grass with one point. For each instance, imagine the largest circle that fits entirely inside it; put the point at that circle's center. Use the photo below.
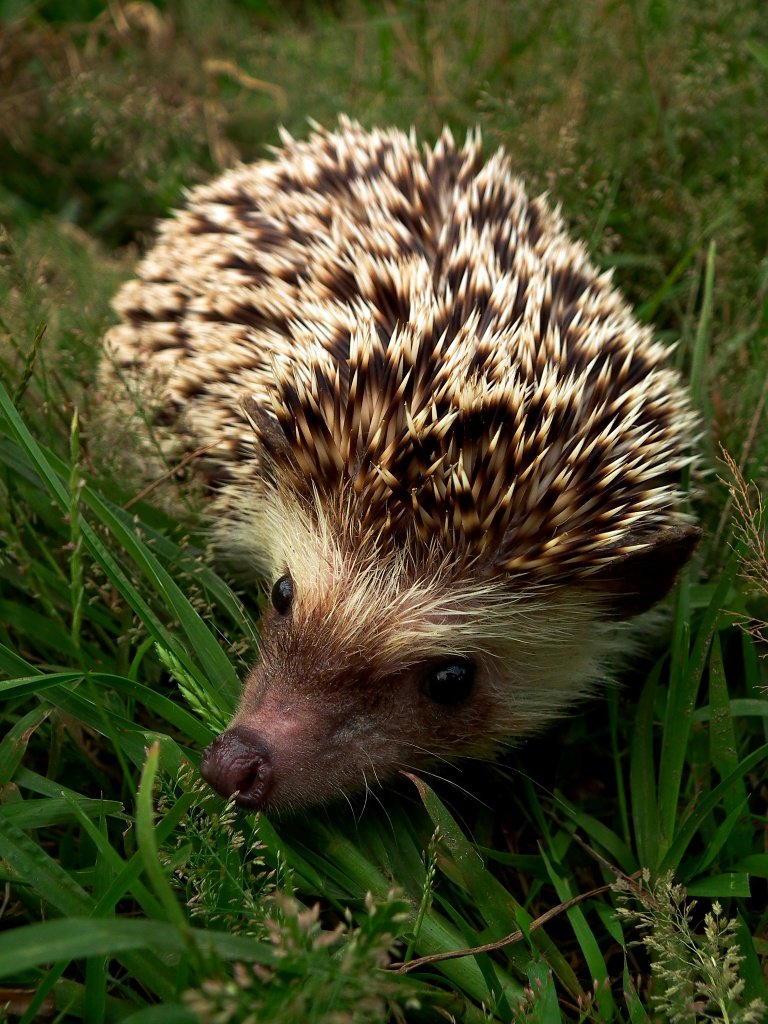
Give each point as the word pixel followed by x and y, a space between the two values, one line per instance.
pixel 131 893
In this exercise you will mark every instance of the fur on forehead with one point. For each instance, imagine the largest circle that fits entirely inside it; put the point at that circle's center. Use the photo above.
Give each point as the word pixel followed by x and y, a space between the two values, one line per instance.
pixel 398 603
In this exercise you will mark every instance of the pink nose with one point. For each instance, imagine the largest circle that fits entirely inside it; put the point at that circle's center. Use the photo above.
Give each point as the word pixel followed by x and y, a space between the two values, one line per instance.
pixel 238 762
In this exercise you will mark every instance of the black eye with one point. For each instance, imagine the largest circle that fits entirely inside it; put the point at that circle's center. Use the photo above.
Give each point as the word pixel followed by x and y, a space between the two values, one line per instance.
pixel 450 682
pixel 282 594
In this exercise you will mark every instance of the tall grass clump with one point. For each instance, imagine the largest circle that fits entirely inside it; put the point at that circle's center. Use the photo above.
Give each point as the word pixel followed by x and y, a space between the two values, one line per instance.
pixel 616 869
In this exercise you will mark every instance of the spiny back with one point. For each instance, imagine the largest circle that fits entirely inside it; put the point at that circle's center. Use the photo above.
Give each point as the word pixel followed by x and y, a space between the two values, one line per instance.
pixel 402 338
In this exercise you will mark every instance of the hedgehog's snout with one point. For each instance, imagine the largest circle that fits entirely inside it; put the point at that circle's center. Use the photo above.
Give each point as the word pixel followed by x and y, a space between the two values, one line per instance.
pixel 238 762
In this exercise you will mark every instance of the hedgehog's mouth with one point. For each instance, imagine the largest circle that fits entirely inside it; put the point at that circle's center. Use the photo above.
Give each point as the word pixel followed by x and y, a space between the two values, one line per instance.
pixel 238 764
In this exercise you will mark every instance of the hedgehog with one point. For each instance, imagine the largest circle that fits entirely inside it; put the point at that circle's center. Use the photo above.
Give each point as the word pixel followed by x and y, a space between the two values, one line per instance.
pixel 433 428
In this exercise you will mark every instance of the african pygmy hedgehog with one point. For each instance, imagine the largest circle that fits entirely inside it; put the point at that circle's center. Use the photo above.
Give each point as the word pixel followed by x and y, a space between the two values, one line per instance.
pixel 431 424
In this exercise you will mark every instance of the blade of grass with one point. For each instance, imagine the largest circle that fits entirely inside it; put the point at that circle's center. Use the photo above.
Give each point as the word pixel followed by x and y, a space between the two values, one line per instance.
pixel 648 309
pixel 217 667
pixel 692 823
pixel 600 835
pixel 755 984
pixel 588 944
pixel 356 875
pixel 637 1014
pixel 168 1013
pixel 14 743
pixel 167 709
pixel 681 699
pixel 75 485
pixel 145 831
pixel 502 913
pixel 58 889
pixel 111 858
pixel 701 340
pixel 723 749
pixel 76 937
pixel 545 1008
pixel 642 775
pixel 617 754
pixel 718 840
pixel 127 879
pixel 721 887
pixel 31 814
pixel 96 968
pixel 29 362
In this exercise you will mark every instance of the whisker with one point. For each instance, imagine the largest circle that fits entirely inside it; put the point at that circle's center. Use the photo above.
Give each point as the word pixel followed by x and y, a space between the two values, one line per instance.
pixel 445 779
pixel 373 769
pixel 374 794
pixel 346 797
pixel 431 754
pixel 380 802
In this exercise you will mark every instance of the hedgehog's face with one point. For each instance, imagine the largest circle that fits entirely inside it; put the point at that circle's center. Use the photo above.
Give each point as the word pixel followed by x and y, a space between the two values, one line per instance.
pixel 320 717
pixel 378 659
pixel 361 678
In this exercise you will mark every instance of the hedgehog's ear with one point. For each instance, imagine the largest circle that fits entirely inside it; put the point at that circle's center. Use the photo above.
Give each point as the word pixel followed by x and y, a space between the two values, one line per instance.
pixel 634 582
